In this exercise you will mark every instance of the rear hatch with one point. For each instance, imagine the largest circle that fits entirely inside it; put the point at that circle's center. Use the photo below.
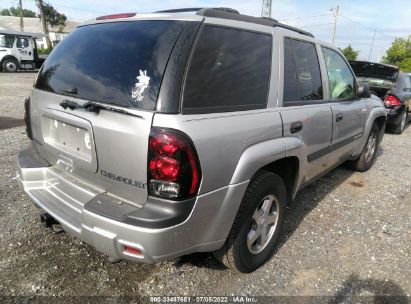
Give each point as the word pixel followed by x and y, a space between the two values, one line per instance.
pixel 380 77
pixel 118 65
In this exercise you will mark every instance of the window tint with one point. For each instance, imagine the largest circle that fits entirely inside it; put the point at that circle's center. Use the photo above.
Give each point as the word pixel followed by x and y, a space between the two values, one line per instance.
pixel 229 71
pixel 302 75
pixel 340 79
pixel 22 42
pixel 407 81
pixel 119 63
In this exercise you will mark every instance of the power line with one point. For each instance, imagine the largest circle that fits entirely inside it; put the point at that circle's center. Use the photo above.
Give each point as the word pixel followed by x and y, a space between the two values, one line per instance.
pixel 306 17
pixel 309 25
pixel 79 9
pixel 367 27
pixel 56 4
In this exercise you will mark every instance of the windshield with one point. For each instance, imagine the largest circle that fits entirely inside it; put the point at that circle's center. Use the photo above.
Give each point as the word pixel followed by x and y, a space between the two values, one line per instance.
pixel 120 63
pixel 6 41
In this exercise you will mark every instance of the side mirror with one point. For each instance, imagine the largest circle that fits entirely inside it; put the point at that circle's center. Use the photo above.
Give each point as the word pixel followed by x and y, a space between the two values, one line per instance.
pixel 363 90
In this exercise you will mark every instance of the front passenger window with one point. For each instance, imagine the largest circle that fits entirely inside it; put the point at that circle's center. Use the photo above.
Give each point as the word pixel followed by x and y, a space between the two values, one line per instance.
pixel 340 79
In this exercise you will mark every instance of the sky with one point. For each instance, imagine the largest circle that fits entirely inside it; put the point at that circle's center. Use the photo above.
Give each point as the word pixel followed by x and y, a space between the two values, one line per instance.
pixel 355 25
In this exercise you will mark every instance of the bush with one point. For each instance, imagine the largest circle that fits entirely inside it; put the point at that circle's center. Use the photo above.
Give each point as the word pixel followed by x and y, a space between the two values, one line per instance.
pixel 45 51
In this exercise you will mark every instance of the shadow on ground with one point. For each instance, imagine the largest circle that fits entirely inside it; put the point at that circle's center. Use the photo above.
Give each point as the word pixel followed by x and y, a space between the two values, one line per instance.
pixel 10 122
pixel 306 201
pixel 356 290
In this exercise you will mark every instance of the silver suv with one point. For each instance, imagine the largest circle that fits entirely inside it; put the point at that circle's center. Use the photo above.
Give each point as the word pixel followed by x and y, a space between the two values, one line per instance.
pixel 159 135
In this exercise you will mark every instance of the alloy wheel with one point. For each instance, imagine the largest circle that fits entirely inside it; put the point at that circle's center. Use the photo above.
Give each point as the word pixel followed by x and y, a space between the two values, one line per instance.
pixel 370 148
pixel 403 121
pixel 263 224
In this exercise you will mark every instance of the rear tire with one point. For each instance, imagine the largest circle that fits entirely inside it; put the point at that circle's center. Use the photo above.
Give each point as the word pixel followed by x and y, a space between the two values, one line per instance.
pixel 367 158
pixel 257 225
pixel 398 129
pixel 10 65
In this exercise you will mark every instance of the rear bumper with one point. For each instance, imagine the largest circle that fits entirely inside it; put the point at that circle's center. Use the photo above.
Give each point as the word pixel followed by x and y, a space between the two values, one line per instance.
pixel 394 115
pixel 108 225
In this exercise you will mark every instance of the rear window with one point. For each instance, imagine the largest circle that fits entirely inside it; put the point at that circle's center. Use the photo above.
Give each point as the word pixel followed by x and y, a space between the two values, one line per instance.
pixel 229 71
pixel 120 63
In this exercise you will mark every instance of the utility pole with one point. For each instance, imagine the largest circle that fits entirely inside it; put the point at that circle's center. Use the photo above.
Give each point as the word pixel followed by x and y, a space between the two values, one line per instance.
pixel 21 16
pixel 44 22
pixel 372 44
pixel 266 9
pixel 335 21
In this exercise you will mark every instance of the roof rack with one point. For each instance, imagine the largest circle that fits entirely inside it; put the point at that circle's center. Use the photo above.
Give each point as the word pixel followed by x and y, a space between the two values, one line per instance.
pixel 197 9
pixel 232 14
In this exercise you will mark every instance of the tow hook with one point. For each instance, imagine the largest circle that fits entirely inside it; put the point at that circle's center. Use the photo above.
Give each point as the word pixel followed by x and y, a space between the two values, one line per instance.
pixel 50 222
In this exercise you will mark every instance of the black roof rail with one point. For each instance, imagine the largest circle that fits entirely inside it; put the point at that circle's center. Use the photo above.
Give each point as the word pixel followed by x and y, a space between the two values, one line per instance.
pixel 181 10
pixel 269 18
pixel 232 14
pixel 197 9
pixel 294 29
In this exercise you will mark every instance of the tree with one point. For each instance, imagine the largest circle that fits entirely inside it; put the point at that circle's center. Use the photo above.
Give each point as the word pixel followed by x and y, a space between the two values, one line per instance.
pixel 5 12
pixel 15 11
pixel 349 53
pixel 399 54
pixel 53 17
pixel 43 21
pixel 50 16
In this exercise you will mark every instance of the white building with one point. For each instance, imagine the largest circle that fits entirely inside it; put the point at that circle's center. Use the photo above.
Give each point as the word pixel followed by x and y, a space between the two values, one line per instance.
pixel 34 25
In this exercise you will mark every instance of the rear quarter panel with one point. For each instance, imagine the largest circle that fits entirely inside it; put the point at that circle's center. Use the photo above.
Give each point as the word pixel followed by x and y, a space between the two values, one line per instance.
pixel 231 146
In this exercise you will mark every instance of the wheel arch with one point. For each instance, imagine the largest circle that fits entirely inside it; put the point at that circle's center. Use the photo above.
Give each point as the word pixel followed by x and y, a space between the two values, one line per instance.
pixel 287 169
pixel 377 116
pixel 9 57
pixel 270 156
pixel 381 122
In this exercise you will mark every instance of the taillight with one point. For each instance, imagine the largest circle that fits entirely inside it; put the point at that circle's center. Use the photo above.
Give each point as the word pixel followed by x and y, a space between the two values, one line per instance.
pixel 173 166
pixel 392 101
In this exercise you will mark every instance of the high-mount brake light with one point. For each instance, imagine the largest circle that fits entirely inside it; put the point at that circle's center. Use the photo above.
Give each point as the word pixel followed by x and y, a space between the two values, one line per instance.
pixel 173 166
pixel 116 16
pixel 392 101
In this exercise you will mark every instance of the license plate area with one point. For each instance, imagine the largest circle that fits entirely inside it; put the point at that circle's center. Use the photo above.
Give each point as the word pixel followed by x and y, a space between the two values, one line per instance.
pixel 73 140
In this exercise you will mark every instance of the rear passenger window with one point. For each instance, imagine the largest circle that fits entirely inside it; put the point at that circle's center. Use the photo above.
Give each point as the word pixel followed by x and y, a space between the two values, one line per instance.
pixel 407 81
pixel 340 78
pixel 302 75
pixel 229 71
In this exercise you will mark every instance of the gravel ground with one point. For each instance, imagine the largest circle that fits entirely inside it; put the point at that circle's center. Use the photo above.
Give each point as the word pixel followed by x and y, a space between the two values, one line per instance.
pixel 347 234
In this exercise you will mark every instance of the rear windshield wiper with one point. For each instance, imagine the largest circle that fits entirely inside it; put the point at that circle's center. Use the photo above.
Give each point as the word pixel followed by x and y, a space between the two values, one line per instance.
pixel 93 107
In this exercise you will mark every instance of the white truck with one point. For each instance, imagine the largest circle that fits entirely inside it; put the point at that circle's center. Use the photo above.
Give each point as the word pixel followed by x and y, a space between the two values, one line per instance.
pixel 18 51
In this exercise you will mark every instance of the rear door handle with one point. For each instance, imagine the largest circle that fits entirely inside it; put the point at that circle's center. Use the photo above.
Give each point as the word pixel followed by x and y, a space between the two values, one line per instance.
pixel 339 117
pixel 296 127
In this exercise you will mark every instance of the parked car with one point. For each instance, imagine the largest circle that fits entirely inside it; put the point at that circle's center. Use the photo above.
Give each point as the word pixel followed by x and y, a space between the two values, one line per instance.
pixel 18 51
pixel 390 85
pixel 159 135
